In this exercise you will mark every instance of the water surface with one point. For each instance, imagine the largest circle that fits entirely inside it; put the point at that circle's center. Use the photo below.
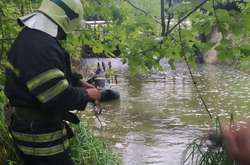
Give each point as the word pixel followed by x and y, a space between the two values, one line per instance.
pixel 158 116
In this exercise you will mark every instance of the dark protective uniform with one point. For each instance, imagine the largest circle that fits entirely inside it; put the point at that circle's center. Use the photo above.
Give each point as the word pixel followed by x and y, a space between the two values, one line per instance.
pixel 40 90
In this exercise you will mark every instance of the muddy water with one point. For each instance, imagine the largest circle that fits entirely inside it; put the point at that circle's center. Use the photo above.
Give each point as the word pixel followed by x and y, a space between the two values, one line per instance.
pixel 158 116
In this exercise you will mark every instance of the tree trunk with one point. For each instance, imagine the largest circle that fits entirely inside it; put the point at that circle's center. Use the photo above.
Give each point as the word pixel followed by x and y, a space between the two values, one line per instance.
pixel 169 15
pixel 163 24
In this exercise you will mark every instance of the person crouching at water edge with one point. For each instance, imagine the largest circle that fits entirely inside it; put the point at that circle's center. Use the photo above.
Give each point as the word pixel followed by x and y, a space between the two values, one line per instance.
pixel 39 85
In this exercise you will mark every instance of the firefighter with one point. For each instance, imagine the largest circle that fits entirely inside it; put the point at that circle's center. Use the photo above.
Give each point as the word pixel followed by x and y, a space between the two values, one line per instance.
pixel 39 84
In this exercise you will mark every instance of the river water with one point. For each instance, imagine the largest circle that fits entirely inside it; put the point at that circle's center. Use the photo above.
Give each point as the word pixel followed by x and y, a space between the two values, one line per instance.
pixel 156 117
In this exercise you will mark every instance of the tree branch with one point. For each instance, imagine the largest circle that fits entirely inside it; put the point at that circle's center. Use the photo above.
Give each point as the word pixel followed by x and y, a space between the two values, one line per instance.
pixel 143 11
pixel 183 54
pixel 177 24
pixel 185 17
pixel 169 15
pixel 163 22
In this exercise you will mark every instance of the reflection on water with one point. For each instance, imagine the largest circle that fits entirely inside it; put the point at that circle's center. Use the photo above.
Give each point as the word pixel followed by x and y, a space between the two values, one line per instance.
pixel 158 116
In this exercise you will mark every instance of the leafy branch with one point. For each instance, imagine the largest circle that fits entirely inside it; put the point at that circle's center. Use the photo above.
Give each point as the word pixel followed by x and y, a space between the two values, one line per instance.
pixel 143 11
pixel 168 33
pixel 185 17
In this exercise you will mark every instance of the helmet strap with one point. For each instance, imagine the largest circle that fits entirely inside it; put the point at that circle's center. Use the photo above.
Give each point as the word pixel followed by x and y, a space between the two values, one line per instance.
pixel 61 35
pixel 68 11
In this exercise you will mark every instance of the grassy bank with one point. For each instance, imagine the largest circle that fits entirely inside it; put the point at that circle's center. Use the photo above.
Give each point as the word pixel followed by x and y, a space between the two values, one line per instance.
pixel 86 148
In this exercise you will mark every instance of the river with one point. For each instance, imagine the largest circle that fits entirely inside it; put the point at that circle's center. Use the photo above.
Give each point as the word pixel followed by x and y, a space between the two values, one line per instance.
pixel 156 117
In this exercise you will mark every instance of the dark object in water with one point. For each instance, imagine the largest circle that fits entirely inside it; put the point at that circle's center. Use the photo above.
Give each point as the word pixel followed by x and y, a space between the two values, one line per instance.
pixel 215 139
pixel 100 83
pixel 109 95
pixel 106 94
pixel 97 81
pixel 98 69
pixel 103 66
pixel 116 81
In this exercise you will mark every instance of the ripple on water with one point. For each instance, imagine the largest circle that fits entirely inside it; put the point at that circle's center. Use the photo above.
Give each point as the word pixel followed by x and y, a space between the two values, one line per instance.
pixel 156 118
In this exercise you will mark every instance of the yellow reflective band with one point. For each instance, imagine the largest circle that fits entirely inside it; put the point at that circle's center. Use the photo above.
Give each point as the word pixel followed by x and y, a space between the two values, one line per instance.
pixel 44 77
pixel 39 138
pixel 9 66
pixel 53 91
pixel 44 151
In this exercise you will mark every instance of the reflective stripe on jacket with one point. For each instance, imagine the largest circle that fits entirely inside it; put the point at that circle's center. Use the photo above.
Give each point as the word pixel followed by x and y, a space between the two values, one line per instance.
pixel 39 75
pixel 39 78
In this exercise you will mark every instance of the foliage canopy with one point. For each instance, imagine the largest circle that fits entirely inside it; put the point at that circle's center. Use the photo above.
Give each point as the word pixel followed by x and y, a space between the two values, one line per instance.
pixel 135 28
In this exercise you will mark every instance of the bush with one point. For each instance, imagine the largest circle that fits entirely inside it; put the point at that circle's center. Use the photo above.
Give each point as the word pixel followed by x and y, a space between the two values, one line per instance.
pixel 8 154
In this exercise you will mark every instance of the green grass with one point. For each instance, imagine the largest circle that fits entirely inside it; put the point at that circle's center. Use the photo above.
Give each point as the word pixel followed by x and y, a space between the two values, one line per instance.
pixel 208 150
pixel 86 148
pixel 199 153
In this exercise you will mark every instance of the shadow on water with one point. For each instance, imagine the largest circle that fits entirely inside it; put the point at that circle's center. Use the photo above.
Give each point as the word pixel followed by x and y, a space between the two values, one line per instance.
pixel 158 116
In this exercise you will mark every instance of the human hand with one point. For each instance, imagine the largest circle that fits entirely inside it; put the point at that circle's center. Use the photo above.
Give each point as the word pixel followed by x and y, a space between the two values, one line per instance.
pixel 86 85
pixel 93 94
pixel 236 140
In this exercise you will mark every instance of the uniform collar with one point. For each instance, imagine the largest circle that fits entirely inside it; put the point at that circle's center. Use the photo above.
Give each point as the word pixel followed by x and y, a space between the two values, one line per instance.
pixel 39 22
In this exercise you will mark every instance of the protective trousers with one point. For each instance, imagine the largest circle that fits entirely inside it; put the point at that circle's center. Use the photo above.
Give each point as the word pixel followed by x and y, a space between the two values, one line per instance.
pixel 41 143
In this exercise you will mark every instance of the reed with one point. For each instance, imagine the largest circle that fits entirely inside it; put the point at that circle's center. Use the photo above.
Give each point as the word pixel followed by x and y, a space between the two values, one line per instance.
pixel 207 150
pixel 200 153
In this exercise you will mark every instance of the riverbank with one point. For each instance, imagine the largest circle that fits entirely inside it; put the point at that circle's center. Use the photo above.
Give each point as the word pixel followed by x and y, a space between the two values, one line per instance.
pixel 86 149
